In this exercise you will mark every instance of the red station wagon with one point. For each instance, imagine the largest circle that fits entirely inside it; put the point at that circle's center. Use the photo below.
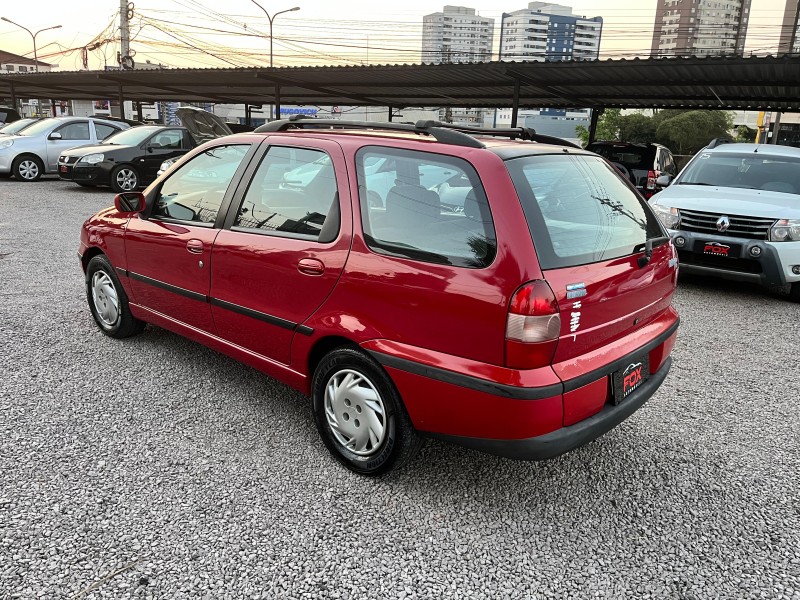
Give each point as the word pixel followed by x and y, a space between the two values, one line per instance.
pixel 415 280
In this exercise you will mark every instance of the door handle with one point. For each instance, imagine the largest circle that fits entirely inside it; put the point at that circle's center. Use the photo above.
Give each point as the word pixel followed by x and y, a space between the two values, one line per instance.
pixel 194 246
pixel 311 266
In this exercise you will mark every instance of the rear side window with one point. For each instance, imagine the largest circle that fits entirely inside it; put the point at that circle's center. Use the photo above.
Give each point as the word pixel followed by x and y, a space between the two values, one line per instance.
pixel 579 210
pixel 424 206
pixel 293 194
pixel 104 131
pixel 632 157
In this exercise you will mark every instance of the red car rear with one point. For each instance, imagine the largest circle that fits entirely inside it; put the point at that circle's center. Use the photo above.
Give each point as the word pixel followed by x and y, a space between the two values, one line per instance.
pixel 507 295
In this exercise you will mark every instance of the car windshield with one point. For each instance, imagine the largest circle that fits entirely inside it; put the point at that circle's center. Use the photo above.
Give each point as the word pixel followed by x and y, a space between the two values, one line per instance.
pixel 744 170
pixel 42 126
pixel 17 126
pixel 579 210
pixel 632 157
pixel 131 137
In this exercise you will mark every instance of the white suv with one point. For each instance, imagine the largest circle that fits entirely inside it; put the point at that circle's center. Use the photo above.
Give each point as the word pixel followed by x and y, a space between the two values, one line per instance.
pixel 734 212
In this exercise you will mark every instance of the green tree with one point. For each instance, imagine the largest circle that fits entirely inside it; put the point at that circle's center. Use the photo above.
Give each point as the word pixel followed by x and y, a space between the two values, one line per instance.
pixel 608 126
pixel 688 131
pixel 745 134
pixel 637 128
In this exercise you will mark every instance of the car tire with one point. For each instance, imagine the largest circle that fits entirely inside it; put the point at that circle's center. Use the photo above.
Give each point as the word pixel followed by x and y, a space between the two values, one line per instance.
pixel 359 414
pixel 794 292
pixel 27 168
pixel 108 300
pixel 124 178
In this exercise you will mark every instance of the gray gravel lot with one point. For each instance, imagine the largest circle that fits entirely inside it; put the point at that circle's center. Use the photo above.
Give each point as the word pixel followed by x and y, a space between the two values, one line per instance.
pixel 156 468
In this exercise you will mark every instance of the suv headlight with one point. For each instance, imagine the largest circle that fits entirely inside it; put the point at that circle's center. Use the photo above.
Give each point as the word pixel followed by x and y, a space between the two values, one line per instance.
pixel 6 143
pixel 669 217
pixel 785 230
pixel 92 159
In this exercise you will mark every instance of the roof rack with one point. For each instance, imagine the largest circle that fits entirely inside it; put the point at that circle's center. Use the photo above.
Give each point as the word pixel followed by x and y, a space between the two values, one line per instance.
pixel 457 135
pixel 719 142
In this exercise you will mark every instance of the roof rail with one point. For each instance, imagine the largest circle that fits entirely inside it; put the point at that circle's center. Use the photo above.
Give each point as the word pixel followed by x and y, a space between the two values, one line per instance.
pixel 440 134
pixel 446 133
pixel 523 133
pixel 719 142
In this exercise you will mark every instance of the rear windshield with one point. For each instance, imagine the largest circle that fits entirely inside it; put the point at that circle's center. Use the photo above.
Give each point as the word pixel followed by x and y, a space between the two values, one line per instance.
pixel 745 170
pixel 579 210
pixel 633 157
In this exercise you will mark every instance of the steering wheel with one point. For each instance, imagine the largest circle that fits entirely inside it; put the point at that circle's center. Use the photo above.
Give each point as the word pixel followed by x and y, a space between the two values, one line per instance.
pixel 623 169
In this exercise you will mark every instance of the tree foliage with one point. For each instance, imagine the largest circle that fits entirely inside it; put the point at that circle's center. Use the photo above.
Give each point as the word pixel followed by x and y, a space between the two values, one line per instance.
pixel 683 131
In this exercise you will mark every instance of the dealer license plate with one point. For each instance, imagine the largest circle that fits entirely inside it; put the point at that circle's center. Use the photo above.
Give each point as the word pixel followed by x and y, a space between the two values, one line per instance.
pixel 717 249
pixel 630 377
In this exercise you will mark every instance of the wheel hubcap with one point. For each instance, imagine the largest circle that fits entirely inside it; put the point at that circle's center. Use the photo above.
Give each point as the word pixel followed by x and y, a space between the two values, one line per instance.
pixel 355 412
pixel 28 169
pixel 126 180
pixel 106 301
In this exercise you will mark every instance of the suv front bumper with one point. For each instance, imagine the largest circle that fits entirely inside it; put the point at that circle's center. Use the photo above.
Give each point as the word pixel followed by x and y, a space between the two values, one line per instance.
pixel 739 259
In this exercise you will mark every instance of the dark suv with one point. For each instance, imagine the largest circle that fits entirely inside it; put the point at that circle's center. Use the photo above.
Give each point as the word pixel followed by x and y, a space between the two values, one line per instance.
pixel 641 164
pixel 525 318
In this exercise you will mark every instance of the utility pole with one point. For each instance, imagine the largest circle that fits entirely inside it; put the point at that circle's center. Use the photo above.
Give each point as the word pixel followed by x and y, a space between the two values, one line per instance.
pixel 124 33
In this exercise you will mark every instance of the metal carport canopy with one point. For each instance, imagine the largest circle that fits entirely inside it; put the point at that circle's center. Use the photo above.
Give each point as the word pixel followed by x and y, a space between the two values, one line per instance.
pixel 715 82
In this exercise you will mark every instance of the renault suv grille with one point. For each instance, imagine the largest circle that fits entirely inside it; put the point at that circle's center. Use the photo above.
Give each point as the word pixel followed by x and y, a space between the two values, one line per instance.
pixel 753 228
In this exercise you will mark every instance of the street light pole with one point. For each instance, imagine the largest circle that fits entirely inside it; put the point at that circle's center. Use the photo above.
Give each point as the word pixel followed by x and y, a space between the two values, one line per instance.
pixel 33 35
pixel 271 19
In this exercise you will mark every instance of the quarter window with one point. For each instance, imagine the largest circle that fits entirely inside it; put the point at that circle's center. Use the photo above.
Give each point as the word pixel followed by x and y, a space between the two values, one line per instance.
pixel 196 190
pixel 294 194
pixel 425 206
pixel 104 131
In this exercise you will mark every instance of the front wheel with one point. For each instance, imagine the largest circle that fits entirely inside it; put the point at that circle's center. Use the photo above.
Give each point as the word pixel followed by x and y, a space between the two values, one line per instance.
pixel 124 178
pixel 359 414
pixel 108 300
pixel 27 168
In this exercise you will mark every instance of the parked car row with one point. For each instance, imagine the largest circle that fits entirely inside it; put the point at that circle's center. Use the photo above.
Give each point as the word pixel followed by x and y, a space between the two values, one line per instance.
pixel 93 151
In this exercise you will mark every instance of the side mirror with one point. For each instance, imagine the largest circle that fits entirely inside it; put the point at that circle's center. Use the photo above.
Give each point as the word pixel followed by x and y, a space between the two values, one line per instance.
pixel 54 136
pixel 129 202
pixel 663 181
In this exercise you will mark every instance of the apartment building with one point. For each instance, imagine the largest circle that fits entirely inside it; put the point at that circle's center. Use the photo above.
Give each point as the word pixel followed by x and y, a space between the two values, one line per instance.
pixel 700 27
pixel 456 35
pixel 546 31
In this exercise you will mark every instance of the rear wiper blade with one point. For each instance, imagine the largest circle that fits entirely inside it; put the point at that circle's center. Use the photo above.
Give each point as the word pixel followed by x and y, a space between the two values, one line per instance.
pixel 648 249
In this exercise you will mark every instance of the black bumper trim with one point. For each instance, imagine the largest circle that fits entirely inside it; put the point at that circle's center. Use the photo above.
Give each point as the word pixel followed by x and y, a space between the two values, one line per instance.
pixel 582 380
pixel 568 438
pixel 467 381
pixel 169 287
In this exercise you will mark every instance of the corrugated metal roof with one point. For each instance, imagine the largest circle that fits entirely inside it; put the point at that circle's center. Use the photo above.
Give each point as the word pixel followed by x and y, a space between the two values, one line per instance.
pixel 714 82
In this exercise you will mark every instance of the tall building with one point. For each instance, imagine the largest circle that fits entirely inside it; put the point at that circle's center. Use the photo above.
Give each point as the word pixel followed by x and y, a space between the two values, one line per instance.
pixel 789 42
pixel 700 27
pixel 546 31
pixel 455 35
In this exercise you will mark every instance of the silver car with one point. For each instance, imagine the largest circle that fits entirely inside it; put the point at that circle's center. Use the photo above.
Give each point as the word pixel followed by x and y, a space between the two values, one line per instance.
pixel 34 151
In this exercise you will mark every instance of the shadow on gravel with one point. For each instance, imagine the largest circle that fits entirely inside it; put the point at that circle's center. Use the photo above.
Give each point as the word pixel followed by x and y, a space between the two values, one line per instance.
pixel 724 287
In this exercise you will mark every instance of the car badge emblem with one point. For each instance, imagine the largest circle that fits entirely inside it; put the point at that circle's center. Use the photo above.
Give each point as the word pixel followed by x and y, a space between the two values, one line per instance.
pixel 576 290
pixel 723 223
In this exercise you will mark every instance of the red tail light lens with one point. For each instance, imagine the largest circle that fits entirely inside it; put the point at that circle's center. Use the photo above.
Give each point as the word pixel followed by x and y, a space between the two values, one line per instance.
pixel 651 180
pixel 532 326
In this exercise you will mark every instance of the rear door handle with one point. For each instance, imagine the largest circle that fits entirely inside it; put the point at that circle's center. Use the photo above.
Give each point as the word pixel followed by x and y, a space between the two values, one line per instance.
pixel 194 246
pixel 311 266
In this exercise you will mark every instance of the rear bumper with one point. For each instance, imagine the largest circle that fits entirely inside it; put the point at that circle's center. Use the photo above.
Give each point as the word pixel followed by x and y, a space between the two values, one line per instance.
pixel 565 439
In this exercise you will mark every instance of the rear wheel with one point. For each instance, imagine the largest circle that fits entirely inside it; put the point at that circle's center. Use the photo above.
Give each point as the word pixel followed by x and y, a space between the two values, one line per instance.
pixel 27 168
pixel 124 178
pixel 108 300
pixel 359 414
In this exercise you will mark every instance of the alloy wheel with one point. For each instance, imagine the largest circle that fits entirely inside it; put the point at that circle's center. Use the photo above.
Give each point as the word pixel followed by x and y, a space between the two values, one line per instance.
pixel 28 169
pixel 126 180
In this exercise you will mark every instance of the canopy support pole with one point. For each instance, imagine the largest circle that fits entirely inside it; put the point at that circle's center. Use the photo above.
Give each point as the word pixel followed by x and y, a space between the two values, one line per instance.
pixel 515 106
pixel 277 102
pixel 596 112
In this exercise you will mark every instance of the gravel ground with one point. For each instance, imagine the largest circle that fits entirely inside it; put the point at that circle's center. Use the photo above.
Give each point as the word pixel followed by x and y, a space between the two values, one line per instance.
pixel 156 468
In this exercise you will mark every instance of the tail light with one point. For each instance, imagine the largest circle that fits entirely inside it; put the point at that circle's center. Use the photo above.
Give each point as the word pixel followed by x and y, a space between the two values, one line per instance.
pixel 532 326
pixel 651 180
